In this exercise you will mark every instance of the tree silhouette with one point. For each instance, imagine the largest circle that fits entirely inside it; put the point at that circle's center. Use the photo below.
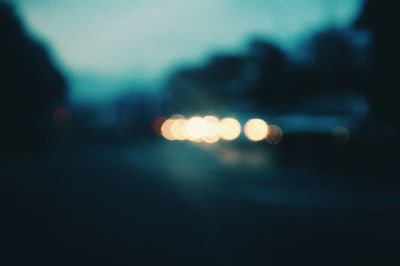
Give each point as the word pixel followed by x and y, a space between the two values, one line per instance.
pixel 380 17
pixel 30 85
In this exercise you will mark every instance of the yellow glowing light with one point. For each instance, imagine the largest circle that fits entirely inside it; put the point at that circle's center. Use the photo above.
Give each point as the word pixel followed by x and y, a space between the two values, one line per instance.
pixel 166 129
pixel 196 128
pixel 178 128
pixel 230 128
pixel 256 129
pixel 213 130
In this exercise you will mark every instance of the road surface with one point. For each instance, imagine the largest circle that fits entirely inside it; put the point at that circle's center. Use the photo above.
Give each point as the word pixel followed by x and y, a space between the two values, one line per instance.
pixel 171 203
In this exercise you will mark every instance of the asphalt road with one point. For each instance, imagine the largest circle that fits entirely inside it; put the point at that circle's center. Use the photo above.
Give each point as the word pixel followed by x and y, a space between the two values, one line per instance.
pixel 167 203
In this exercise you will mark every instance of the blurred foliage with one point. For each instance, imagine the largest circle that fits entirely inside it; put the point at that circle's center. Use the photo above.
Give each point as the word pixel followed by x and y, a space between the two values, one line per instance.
pixel 266 77
pixel 30 86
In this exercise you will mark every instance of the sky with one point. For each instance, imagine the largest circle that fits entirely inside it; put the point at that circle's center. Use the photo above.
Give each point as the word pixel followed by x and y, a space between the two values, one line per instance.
pixel 122 40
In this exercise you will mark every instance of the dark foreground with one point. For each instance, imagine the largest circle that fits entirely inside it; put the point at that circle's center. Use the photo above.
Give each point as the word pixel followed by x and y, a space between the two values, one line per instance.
pixel 178 204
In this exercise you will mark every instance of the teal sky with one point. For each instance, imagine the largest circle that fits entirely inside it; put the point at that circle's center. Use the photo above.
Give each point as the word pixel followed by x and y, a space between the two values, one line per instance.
pixel 141 39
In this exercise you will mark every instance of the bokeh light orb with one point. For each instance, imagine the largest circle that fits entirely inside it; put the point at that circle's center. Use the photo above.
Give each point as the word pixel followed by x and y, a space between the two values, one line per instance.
pixel 166 129
pixel 62 117
pixel 213 130
pixel 230 128
pixel 275 134
pixel 157 124
pixel 196 128
pixel 256 129
pixel 178 129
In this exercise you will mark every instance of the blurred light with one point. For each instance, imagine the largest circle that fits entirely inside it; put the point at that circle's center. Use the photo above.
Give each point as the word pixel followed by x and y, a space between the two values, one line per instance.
pixel 157 124
pixel 178 129
pixel 196 128
pixel 275 134
pixel 256 129
pixel 254 158
pixel 230 128
pixel 229 155
pixel 62 117
pixel 213 130
pixel 166 129
pixel 211 139
pixel 340 135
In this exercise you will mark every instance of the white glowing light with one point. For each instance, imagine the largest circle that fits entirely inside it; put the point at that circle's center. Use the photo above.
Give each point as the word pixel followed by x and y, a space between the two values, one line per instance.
pixel 230 129
pixel 213 130
pixel 178 128
pixel 196 128
pixel 256 129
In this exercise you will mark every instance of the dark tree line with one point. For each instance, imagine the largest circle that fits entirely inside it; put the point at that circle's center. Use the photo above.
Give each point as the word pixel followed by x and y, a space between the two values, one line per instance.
pixel 380 17
pixel 30 86
pixel 266 77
